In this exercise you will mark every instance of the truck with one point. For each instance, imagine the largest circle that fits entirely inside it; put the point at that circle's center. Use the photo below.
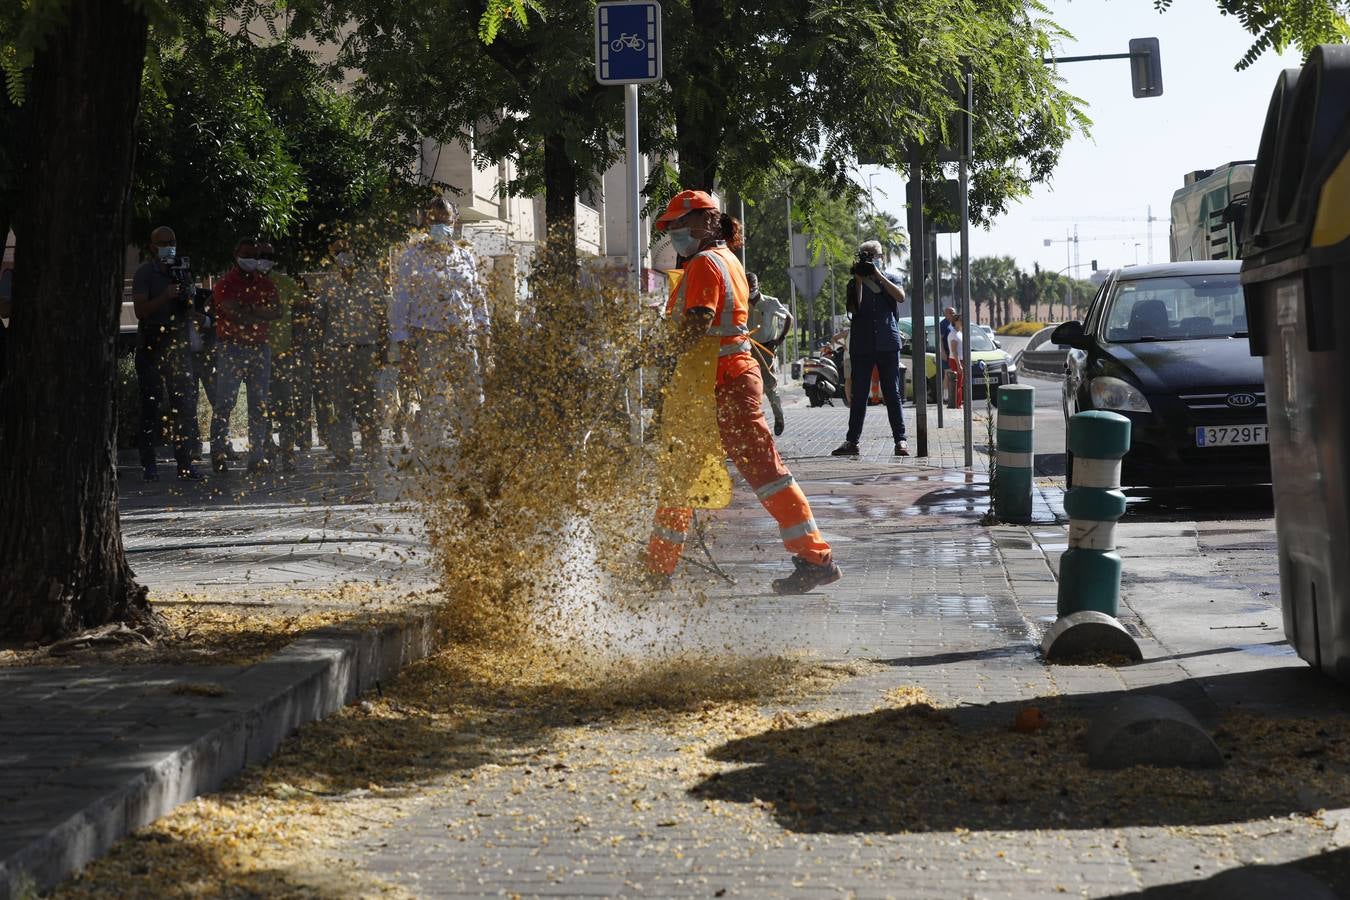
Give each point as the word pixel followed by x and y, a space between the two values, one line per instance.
pixel 1208 212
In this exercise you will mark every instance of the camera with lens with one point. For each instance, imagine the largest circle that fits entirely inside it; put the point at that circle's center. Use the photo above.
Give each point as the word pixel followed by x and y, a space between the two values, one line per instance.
pixel 865 264
pixel 181 273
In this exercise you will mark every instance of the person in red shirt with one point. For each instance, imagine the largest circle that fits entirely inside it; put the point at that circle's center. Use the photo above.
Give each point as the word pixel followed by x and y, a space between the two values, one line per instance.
pixel 713 298
pixel 245 301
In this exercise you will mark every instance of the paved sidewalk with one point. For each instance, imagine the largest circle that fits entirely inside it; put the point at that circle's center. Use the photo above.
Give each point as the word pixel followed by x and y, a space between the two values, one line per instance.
pixel 935 603
pixel 90 750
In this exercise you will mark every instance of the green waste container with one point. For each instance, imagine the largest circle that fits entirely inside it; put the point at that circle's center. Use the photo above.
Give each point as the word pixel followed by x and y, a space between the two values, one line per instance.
pixel 1296 281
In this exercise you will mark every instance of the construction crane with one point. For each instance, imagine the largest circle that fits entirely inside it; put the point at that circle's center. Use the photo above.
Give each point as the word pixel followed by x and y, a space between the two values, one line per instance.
pixel 1149 219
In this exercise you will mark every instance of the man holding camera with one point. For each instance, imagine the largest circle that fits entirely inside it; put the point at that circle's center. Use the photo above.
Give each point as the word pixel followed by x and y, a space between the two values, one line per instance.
pixel 769 323
pixel 874 299
pixel 162 293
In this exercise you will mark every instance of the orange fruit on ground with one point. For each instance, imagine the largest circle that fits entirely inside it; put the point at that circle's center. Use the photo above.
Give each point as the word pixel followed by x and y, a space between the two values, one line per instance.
pixel 1029 720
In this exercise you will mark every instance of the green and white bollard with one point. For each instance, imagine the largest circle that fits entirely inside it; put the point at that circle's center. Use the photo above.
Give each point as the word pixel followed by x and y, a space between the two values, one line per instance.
pixel 1089 571
pixel 1016 452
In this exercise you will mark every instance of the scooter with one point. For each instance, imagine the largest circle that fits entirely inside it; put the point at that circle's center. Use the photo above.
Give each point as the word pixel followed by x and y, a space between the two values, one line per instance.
pixel 821 378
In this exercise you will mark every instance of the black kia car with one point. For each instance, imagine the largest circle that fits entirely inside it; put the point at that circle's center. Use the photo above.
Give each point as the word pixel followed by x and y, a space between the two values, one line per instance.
pixel 1166 346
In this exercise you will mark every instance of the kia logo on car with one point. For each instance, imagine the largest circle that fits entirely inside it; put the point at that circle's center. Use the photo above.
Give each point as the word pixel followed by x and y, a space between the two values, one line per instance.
pixel 1241 400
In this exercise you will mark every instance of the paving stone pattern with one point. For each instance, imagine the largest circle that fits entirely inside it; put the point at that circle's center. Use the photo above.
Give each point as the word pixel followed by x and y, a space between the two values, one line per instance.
pixel 940 603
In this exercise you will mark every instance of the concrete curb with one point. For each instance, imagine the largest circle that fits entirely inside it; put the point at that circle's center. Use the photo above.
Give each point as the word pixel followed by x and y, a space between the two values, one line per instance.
pixel 308 680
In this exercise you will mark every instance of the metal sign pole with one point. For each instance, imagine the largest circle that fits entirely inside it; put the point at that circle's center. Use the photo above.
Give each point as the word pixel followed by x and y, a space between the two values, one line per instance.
pixel 630 109
pixel 939 351
pixel 919 361
pixel 792 287
pixel 964 190
pixel 628 52
pixel 634 191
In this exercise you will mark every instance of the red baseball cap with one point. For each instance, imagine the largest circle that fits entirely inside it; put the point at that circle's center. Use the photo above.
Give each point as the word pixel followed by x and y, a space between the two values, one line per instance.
pixel 682 204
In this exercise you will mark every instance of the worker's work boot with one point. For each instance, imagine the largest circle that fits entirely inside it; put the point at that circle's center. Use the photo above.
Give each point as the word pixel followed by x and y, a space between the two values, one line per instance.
pixel 807 576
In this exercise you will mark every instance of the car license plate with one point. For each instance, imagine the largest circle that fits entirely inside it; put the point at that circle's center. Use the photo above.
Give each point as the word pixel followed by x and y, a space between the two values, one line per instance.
pixel 1231 435
pixel 810 379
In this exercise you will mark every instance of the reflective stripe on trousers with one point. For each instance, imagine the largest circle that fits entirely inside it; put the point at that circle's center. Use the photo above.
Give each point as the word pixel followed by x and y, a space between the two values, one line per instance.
pixel 749 442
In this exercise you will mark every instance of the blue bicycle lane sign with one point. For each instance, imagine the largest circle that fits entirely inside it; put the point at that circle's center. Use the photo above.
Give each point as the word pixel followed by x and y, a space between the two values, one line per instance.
pixel 628 42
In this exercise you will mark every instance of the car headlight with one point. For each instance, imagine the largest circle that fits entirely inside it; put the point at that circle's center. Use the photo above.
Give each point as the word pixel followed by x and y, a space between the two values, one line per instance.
pixel 1114 393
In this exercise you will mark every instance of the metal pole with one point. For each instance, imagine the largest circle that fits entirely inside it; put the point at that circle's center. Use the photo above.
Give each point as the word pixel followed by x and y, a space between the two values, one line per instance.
pixel 963 177
pixel 918 355
pixel 834 306
pixel 634 173
pixel 742 218
pixel 630 109
pixel 939 354
pixel 792 285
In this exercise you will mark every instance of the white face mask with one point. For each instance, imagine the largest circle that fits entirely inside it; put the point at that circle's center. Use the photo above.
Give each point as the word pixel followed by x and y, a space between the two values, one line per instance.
pixel 265 265
pixel 684 242
pixel 345 259
pixel 168 254
pixel 246 263
pixel 440 231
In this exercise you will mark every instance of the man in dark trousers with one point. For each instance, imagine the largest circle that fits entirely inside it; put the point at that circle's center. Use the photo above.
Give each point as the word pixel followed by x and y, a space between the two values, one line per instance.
pixel 163 366
pixel 874 300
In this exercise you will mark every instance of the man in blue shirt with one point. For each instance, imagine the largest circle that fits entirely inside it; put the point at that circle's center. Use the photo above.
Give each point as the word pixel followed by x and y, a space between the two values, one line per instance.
pixel 873 299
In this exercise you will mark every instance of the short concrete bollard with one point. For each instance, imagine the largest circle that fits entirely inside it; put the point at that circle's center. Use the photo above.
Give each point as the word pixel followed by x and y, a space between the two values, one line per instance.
pixel 1089 571
pixel 1148 730
pixel 1016 452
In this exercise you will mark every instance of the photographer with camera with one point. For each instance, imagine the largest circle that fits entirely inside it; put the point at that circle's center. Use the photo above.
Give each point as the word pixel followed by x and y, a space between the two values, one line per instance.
pixel 161 293
pixel 874 299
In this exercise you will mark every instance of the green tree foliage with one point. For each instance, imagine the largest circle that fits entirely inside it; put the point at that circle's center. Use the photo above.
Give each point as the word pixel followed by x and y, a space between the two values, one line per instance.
pixel 212 162
pixel 1279 24
pixel 837 227
pixel 993 282
pixel 240 137
pixel 529 92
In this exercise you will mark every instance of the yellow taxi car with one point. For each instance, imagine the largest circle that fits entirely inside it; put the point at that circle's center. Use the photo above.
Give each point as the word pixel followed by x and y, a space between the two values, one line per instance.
pixel 990 365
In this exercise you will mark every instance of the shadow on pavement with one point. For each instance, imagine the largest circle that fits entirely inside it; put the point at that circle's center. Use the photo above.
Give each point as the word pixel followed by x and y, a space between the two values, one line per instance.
pixel 1321 877
pixel 1189 504
pixel 917 768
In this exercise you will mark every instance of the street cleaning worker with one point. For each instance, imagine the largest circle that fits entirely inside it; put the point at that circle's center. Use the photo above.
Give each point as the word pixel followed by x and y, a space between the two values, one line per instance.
pixel 713 300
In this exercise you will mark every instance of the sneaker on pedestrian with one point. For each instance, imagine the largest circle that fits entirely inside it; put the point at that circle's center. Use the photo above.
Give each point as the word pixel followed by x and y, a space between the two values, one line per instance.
pixel 190 473
pixel 901 448
pixel 150 472
pixel 778 426
pixel 258 467
pixel 847 448
pixel 288 461
pixel 807 576
pixel 220 462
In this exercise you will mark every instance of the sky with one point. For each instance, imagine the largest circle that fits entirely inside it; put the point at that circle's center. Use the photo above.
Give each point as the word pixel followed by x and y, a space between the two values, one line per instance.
pixel 1138 151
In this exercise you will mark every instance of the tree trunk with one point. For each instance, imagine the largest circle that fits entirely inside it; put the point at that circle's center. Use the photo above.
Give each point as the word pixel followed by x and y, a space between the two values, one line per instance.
pixel 560 207
pixel 60 537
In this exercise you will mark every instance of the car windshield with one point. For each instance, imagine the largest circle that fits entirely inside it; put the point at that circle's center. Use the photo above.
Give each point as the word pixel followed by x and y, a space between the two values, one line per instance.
pixel 1176 308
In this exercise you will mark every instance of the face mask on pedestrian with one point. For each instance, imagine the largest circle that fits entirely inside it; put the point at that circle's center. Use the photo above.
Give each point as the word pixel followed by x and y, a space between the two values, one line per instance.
pixel 684 242
pixel 263 266
pixel 246 263
pixel 440 232
pixel 168 254
pixel 345 260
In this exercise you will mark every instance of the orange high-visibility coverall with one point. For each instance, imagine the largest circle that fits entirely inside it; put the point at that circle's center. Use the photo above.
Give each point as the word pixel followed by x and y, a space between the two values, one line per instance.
pixel 714 280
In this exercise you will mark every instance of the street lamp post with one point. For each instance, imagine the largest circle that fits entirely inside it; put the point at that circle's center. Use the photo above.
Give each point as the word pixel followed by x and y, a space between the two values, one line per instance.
pixel 1068 289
